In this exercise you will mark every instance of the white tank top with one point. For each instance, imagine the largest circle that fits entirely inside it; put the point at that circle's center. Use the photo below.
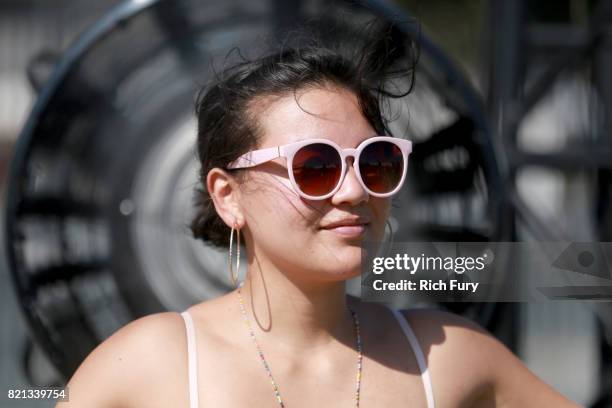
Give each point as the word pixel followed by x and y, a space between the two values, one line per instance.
pixel 412 339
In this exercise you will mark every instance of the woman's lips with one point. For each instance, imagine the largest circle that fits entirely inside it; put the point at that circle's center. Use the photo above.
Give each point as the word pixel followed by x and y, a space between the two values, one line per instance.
pixel 348 230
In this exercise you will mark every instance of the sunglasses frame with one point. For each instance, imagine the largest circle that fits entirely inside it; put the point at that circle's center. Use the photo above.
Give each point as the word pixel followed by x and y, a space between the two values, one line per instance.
pixel 255 157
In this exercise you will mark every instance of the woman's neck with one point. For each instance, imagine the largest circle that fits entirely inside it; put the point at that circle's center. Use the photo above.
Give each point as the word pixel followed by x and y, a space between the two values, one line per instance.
pixel 297 315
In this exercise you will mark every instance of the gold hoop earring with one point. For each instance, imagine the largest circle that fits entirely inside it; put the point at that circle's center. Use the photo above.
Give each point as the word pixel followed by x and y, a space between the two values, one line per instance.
pixel 391 237
pixel 234 273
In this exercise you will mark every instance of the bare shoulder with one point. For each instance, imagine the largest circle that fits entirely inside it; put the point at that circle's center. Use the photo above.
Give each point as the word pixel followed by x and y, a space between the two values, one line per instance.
pixel 135 365
pixel 446 332
pixel 458 348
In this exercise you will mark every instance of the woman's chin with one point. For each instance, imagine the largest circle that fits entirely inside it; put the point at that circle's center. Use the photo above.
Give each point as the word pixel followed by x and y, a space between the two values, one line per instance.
pixel 343 275
pixel 347 264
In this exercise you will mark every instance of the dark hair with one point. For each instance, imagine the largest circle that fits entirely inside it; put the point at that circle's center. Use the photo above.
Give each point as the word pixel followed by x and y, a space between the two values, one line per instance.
pixel 362 61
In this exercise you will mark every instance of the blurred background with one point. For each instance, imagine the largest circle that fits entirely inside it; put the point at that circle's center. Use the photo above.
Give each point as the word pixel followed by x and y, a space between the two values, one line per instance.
pixel 510 116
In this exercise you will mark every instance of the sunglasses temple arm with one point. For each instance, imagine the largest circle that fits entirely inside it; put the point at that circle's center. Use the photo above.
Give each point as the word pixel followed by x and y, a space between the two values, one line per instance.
pixel 255 157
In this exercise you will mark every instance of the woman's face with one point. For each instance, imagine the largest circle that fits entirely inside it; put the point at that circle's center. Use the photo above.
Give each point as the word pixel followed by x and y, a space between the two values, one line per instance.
pixel 288 230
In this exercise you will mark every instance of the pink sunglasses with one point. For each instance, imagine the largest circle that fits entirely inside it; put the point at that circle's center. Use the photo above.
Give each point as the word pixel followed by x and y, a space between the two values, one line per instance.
pixel 317 167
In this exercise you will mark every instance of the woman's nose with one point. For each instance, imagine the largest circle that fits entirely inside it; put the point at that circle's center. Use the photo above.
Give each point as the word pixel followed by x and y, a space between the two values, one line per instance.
pixel 351 190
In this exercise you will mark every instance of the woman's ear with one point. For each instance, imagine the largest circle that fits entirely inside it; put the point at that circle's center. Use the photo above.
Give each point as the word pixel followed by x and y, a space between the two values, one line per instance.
pixel 225 193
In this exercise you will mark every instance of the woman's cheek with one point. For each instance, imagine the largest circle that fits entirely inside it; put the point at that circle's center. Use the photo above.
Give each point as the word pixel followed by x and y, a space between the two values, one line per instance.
pixel 276 218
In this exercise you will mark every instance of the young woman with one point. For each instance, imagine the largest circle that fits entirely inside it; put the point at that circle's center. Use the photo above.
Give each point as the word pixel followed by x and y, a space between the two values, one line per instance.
pixel 296 161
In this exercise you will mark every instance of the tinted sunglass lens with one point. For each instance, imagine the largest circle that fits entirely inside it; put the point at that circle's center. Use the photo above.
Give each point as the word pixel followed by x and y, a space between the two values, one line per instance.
pixel 381 165
pixel 316 169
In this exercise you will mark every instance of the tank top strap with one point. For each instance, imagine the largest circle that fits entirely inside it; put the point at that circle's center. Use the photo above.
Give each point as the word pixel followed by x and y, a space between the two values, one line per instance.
pixel 192 358
pixel 418 353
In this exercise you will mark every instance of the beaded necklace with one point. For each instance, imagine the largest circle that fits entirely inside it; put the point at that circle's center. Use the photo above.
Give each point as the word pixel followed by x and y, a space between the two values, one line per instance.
pixel 269 372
